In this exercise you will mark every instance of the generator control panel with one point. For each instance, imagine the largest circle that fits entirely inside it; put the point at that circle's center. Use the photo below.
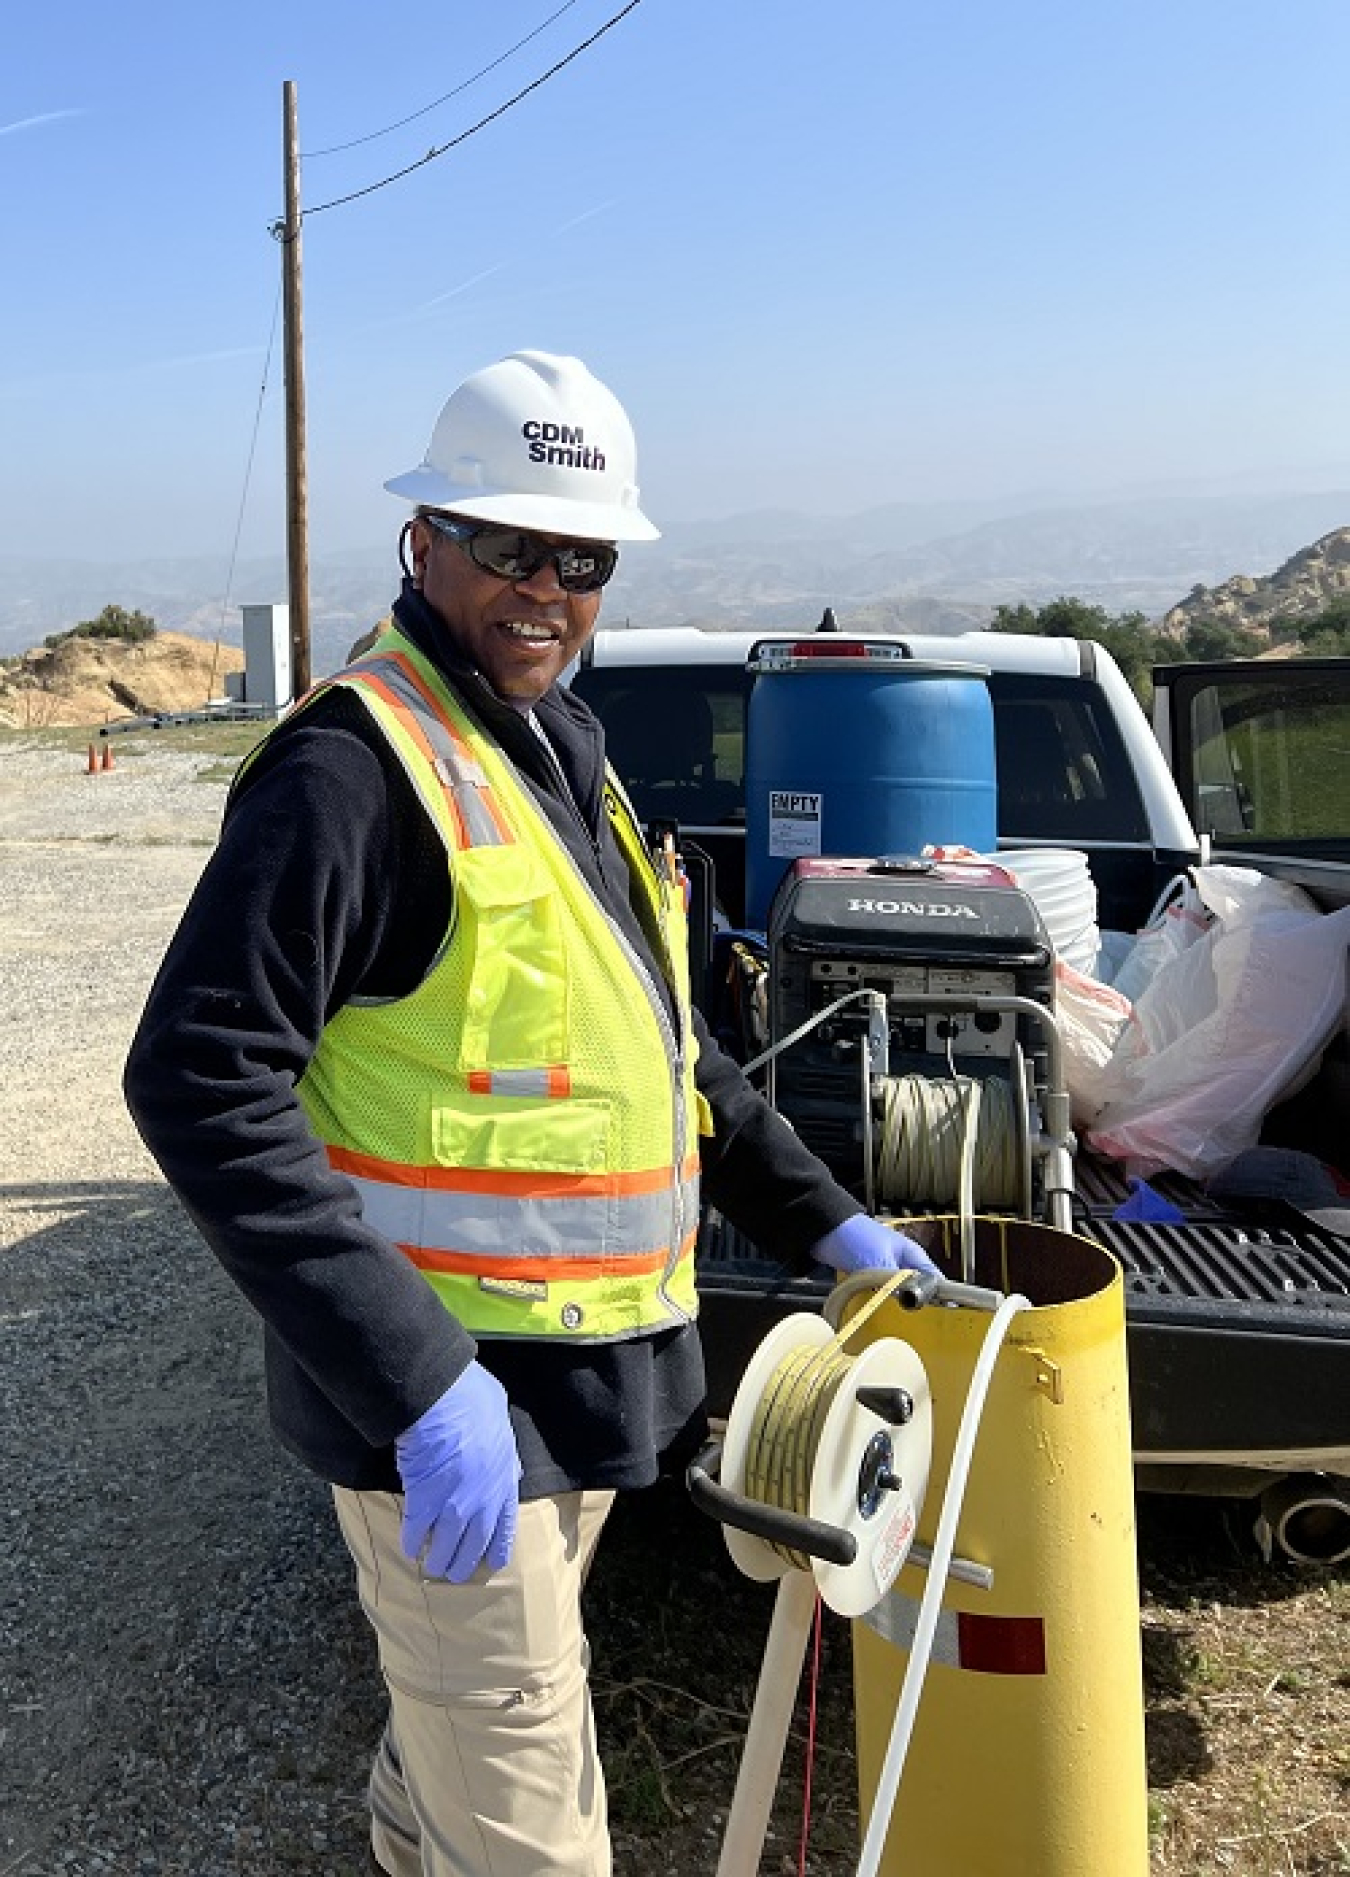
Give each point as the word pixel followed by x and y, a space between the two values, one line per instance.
pixel 963 1034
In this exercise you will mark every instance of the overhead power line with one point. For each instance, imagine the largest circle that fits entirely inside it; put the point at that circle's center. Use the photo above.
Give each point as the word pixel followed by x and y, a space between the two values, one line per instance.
pixel 243 497
pixel 454 143
pixel 252 450
pixel 333 148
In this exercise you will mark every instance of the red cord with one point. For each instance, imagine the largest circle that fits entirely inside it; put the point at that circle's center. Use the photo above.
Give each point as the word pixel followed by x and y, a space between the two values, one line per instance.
pixel 813 1691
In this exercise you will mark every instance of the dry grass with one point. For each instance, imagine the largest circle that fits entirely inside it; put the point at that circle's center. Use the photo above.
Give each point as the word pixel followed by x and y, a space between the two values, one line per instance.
pixel 1247 1691
pixel 1247 1672
pixel 228 741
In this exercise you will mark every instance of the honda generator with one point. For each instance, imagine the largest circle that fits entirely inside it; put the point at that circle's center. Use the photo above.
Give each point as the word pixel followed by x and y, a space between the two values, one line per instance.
pixel 911 1021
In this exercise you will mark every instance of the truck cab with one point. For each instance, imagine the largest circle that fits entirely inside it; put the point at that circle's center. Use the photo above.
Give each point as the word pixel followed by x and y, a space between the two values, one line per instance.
pixel 1077 763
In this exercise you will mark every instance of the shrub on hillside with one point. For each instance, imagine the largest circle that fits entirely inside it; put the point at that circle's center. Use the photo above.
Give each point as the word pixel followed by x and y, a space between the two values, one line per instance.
pixel 114 622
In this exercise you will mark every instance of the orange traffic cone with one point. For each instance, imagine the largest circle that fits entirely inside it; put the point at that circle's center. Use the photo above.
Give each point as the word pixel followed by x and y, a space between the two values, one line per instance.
pixel 107 756
pixel 93 761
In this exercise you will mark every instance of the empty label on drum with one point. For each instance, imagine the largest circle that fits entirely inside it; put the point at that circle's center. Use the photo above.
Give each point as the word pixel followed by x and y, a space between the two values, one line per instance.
pixel 794 823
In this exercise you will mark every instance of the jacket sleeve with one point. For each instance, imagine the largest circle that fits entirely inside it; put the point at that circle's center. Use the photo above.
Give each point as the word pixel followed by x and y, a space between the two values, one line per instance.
pixel 288 915
pixel 755 1168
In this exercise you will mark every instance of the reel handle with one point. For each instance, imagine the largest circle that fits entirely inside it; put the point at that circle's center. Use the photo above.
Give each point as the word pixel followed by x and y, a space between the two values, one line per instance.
pixel 788 1529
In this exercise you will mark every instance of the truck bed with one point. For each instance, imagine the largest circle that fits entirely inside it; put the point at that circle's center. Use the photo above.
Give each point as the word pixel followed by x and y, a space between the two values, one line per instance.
pixel 1238 1321
pixel 1264 1292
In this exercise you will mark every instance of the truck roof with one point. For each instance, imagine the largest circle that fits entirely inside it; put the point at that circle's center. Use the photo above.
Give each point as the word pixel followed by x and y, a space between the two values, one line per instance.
pixel 698 645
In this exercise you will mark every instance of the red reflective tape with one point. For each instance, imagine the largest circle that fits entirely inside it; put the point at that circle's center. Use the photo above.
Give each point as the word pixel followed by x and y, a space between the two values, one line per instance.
pixel 1001 1645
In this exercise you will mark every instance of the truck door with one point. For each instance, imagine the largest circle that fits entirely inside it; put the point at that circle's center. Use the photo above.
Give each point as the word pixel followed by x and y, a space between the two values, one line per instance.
pixel 1261 753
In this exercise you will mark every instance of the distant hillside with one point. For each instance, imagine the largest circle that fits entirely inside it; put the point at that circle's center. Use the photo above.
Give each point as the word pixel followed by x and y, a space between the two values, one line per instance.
pixel 772 573
pixel 1302 588
pixel 933 567
pixel 347 592
pixel 94 681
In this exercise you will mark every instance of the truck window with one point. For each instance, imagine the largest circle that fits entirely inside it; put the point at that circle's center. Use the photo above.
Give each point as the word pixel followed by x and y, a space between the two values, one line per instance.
pixel 676 735
pixel 1271 758
pixel 1063 771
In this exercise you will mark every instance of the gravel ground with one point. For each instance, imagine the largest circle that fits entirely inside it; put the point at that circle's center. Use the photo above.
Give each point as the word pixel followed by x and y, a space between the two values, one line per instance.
pixel 165 1564
pixel 187 1688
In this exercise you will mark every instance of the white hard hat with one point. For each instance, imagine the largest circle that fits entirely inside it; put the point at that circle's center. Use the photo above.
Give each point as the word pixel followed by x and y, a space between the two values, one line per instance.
pixel 536 442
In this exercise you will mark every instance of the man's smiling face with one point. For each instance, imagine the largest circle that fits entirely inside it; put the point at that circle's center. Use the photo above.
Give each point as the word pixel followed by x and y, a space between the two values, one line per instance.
pixel 520 634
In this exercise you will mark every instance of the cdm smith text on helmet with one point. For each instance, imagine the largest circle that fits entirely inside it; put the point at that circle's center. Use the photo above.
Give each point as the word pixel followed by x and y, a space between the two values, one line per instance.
pixel 534 441
pixel 560 443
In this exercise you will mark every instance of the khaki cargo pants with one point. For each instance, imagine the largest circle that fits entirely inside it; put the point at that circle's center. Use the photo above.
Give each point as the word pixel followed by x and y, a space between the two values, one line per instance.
pixel 488 1765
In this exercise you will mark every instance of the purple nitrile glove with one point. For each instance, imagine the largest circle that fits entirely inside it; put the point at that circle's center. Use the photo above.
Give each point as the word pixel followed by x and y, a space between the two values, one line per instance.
pixel 461 1475
pixel 865 1244
pixel 1145 1203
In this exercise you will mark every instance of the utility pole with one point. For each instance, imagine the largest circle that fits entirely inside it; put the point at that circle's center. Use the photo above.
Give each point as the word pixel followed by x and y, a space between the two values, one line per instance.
pixel 297 475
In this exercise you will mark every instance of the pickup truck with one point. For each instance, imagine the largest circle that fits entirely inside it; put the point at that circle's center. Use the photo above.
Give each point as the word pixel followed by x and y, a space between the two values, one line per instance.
pixel 1238 1312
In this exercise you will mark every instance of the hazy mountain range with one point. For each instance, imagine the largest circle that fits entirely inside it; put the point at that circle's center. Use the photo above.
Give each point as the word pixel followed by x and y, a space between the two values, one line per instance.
pixel 931 566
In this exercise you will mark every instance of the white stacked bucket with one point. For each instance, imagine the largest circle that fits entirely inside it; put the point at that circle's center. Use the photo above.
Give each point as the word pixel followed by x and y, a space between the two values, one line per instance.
pixel 1059 885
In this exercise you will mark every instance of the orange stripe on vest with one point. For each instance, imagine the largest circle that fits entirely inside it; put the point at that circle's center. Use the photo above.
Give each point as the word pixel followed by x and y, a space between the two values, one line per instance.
pixel 466 755
pixel 506 1185
pixel 414 730
pixel 537 1270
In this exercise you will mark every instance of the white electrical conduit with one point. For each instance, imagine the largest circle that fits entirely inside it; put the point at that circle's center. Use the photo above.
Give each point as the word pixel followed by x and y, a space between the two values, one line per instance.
pixel 902 1728
pixel 965 1186
pixel 804 1029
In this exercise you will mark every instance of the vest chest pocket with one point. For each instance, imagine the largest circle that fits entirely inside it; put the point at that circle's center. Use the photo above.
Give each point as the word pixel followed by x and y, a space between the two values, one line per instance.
pixel 516 993
pixel 499 1134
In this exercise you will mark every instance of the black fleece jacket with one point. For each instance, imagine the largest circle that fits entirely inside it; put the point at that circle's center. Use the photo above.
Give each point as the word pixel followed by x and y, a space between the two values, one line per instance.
pixel 329 880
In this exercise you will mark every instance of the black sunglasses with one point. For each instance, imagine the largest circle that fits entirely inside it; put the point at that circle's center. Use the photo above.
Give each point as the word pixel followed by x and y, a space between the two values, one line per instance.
pixel 516 554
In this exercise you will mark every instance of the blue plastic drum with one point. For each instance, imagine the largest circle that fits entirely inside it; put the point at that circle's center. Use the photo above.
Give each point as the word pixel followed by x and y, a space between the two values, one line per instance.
pixel 861 751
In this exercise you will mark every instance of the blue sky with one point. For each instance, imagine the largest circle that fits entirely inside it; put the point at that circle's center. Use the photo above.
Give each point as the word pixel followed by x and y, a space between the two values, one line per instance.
pixel 830 257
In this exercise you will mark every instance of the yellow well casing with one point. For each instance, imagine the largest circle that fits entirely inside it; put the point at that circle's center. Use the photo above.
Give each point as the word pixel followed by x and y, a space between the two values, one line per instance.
pixel 1015 1770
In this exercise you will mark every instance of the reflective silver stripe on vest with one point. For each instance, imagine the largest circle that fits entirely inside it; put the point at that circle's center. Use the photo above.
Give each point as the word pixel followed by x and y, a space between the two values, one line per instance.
pixel 539 1082
pixel 491 1226
pixel 465 778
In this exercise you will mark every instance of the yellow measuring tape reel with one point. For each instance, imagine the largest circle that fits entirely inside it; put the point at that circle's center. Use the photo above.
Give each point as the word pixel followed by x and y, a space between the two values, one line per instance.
pixel 841 1439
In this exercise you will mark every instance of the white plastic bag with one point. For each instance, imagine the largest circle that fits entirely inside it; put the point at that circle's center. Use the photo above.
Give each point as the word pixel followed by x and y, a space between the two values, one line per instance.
pixel 1091 1017
pixel 1176 922
pixel 1112 951
pixel 1225 1026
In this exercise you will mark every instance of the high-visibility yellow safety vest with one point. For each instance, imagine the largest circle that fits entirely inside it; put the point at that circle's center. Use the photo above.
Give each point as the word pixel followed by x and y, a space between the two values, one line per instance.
pixel 524 1124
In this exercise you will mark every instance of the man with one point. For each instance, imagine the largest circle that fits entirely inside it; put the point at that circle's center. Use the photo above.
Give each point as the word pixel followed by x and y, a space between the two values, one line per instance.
pixel 420 1063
